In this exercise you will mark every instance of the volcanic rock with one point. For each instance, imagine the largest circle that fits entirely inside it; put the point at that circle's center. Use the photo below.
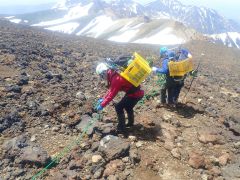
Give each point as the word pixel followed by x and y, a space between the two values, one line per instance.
pixel 113 147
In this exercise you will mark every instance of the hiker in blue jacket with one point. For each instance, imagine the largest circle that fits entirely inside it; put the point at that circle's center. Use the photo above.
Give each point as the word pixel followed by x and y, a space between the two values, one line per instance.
pixel 179 82
pixel 167 91
pixel 173 85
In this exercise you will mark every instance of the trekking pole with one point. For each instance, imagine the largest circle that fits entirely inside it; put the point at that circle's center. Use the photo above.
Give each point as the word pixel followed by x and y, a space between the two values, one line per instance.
pixel 185 97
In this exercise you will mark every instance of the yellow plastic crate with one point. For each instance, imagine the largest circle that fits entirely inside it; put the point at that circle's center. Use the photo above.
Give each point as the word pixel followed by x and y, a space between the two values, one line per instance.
pixel 180 68
pixel 137 71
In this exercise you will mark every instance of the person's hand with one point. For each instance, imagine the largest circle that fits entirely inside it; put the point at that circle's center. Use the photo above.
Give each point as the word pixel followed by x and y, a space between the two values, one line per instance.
pixel 100 100
pixel 194 73
pixel 99 107
pixel 154 69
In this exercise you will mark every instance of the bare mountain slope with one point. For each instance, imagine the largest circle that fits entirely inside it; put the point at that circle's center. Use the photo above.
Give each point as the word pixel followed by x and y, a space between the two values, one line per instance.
pixel 48 86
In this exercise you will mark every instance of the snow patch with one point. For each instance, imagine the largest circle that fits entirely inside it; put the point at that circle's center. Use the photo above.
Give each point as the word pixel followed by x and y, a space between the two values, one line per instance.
pixel 15 20
pixel 134 8
pixel 164 37
pixel 125 36
pixel 97 26
pixel 224 37
pixel 9 17
pixel 74 13
pixel 65 28
pixel 137 26
pixel 126 27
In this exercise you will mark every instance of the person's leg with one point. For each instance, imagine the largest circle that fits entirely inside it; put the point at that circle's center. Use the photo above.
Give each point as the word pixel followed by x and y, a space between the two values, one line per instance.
pixel 170 95
pixel 170 89
pixel 130 103
pixel 177 91
pixel 120 113
pixel 163 95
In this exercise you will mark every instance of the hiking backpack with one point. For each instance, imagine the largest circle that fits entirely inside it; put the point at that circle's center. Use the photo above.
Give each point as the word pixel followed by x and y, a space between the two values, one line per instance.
pixel 180 65
pixel 134 69
pixel 120 63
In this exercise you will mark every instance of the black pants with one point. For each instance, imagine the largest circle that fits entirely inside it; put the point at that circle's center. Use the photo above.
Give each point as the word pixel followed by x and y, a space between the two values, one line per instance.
pixel 171 91
pixel 177 91
pixel 167 95
pixel 128 104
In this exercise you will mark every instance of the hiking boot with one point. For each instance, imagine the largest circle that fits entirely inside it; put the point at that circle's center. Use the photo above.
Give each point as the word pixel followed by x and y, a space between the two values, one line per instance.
pixel 121 123
pixel 130 120
pixel 160 105
pixel 122 131
pixel 171 105
pixel 163 101
pixel 129 125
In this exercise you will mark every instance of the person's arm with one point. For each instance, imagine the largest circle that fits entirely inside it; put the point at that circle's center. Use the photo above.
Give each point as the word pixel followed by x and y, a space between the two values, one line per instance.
pixel 112 92
pixel 164 68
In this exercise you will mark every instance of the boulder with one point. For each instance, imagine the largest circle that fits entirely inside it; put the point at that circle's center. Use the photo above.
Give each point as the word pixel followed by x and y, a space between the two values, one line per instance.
pixel 96 158
pixel 134 156
pixel 12 147
pixel 23 80
pixel 113 167
pixel 113 147
pixel 175 153
pixel 223 159
pixel 107 129
pixel 9 120
pixel 210 137
pixel 231 171
pixel 98 173
pixel 34 155
pixel 196 160
pixel 233 123
pixel 85 123
pixel 20 150
pixel 14 88
pixel 81 96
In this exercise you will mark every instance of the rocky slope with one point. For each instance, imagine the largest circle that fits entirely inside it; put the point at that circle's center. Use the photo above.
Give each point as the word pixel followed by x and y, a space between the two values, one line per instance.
pixel 48 86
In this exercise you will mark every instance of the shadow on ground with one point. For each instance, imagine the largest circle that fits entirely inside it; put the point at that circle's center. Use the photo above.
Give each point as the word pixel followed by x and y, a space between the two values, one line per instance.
pixel 145 133
pixel 186 111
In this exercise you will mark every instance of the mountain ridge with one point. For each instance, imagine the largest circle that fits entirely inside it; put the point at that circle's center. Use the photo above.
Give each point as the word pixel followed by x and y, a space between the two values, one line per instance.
pixel 78 14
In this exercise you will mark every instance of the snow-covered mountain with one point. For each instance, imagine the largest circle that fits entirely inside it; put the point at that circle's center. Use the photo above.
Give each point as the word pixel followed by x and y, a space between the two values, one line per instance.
pixel 230 39
pixel 204 20
pixel 128 21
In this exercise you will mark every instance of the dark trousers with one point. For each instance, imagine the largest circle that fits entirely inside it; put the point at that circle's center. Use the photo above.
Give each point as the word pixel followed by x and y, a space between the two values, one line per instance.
pixel 128 104
pixel 170 92
pixel 177 91
pixel 168 95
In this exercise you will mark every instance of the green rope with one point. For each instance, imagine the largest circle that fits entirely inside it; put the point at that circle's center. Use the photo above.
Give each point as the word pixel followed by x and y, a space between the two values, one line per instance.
pixel 160 82
pixel 67 149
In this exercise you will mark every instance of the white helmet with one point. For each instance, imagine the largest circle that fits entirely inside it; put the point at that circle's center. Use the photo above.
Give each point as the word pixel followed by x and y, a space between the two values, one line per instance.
pixel 101 68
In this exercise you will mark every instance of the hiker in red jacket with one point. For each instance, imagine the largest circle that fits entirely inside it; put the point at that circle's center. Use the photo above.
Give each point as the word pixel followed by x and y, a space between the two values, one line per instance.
pixel 117 83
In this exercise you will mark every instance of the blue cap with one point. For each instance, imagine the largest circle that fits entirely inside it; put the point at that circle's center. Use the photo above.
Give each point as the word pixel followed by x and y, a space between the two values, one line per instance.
pixel 163 50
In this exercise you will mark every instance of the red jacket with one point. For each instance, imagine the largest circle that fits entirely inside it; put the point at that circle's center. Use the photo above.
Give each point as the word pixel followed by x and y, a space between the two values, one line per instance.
pixel 118 83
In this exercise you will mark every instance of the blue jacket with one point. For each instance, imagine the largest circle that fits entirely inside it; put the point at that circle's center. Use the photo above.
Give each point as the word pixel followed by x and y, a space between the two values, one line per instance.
pixel 183 54
pixel 164 69
pixel 170 55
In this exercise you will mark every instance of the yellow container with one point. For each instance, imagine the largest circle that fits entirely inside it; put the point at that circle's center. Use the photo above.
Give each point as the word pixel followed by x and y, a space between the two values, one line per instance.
pixel 137 71
pixel 180 68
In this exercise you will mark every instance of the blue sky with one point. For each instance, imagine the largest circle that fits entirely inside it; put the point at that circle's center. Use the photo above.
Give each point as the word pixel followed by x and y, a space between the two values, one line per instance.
pixel 228 8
